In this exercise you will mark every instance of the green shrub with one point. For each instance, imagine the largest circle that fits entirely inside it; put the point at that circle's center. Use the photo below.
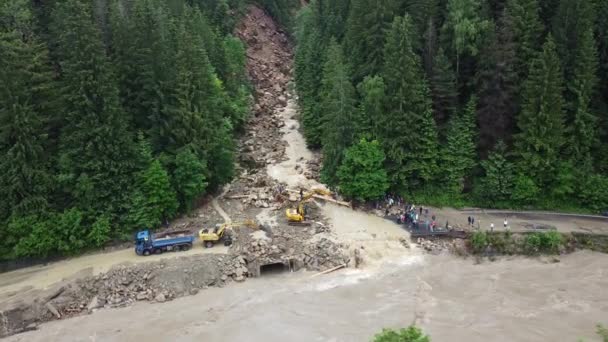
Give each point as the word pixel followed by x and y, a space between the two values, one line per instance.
pixel 525 191
pixel 602 332
pixel 550 241
pixel 411 334
pixel 100 232
pixel 498 242
pixel 532 243
pixel 479 241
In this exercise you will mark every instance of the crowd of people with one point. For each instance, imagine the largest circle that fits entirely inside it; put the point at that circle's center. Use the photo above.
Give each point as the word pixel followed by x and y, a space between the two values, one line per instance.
pixel 418 216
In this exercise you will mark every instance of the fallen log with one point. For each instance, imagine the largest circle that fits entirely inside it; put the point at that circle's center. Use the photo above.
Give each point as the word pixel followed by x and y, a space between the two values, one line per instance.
pixel 325 198
pixel 329 270
pixel 53 310
pixel 237 196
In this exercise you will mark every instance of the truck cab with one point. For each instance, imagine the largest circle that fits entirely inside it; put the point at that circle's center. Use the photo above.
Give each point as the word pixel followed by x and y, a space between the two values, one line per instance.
pixel 143 243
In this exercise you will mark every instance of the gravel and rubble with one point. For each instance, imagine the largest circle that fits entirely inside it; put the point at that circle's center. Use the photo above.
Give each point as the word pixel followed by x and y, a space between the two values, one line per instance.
pixel 123 285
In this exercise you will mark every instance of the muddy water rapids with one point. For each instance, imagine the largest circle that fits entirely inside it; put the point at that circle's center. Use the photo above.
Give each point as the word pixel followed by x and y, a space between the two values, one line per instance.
pixel 451 298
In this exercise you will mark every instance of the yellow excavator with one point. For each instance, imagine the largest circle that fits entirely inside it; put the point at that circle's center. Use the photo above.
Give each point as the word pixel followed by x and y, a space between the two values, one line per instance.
pixel 297 216
pixel 210 237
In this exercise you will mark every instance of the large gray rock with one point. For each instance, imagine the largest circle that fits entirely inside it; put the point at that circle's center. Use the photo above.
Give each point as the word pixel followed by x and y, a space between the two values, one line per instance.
pixel 160 298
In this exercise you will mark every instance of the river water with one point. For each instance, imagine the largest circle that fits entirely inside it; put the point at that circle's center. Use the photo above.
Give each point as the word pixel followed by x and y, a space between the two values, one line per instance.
pixel 452 299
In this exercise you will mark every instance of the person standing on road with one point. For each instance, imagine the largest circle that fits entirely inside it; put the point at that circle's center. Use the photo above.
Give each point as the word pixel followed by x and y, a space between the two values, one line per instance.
pixel 469 220
pixel 491 227
pixel 506 223
pixel 421 211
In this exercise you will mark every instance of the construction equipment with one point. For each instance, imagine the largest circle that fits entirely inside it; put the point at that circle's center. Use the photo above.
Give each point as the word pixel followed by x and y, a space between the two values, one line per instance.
pixel 210 237
pixel 297 216
pixel 146 243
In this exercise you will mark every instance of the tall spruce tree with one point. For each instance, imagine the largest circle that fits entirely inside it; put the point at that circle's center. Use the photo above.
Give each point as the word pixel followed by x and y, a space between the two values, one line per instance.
pixel 188 178
pixel 308 74
pixel 338 105
pixel 408 131
pixel 496 185
pixel 365 34
pixel 141 52
pixel 372 92
pixel 459 153
pixel 572 21
pixel 541 122
pixel 583 132
pixel 601 101
pixel 25 114
pixel 496 87
pixel 522 20
pixel 443 90
pixel 96 148
pixel 194 108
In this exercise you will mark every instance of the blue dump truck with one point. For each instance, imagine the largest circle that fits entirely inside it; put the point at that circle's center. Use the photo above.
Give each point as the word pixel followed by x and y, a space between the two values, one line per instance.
pixel 146 243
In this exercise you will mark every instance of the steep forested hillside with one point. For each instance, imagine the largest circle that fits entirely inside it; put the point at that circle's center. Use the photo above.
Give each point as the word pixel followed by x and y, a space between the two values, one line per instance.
pixel 490 102
pixel 114 115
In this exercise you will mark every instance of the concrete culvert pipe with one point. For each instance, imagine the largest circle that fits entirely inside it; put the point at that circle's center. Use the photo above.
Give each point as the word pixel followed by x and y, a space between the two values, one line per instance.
pixel 274 268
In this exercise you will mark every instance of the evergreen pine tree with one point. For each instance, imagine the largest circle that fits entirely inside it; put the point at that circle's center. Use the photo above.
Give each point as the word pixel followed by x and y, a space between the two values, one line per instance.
pixel 459 154
pixel 188 178
pixel 443 89
pixel 338 105
pixel 365 35
pixel 25 95
pixel 496 87
pixel 408 132
pixel 154 200
pixel 308 74
pixel 583 132
pixel 601 101
pixel 371 108
pixel 572 21
pixel 522 20
pixel 96 148
pixel 195 105
pixel 141 53
pixel 497 182
pixel 541 122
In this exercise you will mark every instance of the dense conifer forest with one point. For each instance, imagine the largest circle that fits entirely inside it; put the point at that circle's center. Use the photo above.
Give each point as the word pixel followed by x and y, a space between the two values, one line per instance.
pixel 115 115
pixel 494 103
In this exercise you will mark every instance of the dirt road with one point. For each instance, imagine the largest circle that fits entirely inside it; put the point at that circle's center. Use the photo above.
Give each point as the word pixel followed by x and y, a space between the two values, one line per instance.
pixel 17 283
pixel 452 299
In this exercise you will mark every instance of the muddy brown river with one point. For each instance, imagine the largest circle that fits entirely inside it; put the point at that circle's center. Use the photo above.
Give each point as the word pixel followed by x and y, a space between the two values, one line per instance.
pixel 452 299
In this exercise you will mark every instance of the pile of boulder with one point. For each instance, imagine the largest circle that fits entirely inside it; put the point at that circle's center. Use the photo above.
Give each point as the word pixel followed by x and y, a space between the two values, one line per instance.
pixel 124 285
pixel 313 169
pixel 235 268
pixel 322 253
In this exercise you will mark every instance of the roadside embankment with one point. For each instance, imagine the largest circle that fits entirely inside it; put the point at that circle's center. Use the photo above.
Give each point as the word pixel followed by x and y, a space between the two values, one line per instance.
pixel 497 243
